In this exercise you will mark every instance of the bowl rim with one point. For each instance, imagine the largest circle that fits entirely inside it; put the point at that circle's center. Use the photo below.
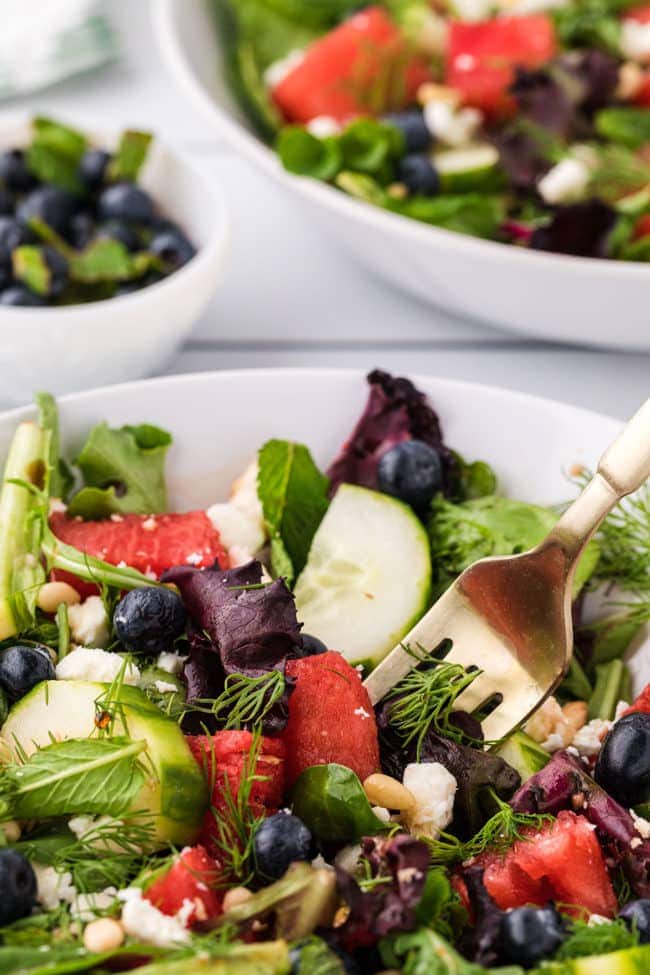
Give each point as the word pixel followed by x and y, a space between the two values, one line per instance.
pixel 205 254
pixel 162 16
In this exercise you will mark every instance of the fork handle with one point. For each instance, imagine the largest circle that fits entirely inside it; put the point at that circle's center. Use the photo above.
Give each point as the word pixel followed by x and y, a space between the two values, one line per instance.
pixel 623 469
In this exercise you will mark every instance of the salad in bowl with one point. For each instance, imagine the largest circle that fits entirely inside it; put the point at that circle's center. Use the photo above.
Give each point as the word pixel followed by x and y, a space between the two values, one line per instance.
pixel 192 777
pixel 519 122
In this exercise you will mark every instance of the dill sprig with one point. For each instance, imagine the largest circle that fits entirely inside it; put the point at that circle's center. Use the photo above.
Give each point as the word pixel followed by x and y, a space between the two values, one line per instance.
pixel 425 699
pixel 624 539
pixel 597 939
pixel 245 701
pixel 108 855
pixel 500 832
pixel 618 173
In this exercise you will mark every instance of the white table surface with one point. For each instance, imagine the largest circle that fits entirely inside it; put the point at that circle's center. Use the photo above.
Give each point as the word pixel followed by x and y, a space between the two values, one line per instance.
pixel 290 298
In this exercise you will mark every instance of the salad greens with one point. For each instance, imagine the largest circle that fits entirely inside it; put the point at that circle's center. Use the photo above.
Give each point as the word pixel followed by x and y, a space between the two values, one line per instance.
pixel 330 800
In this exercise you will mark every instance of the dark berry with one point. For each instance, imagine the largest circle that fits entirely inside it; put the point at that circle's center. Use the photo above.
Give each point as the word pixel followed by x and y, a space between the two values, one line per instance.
pixel 281 840
pixel 637 914
pixel 121 231
pixel 311 646
pixel 411 124
pixel 138 284
pixel 82 230
pixel 58 268
pixel 148 620
pixel 14 174
pixel 411 471
pixel 530 934
pixel 173 247
pixel 18 295
pixel 12 234
pixel 17 886
pixel 53 206
pixel 623 766
pixel 418 174
pixel 92 167
pixel 7 203
pixel 125 201
pixel 22 667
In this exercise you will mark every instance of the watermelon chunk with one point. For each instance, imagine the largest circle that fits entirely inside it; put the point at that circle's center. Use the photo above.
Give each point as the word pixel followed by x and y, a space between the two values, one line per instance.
pixel 331 718
pixel 191 879
pixel 642 702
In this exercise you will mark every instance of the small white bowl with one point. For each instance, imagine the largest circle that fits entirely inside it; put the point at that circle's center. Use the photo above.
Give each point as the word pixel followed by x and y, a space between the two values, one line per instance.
pixel 72 347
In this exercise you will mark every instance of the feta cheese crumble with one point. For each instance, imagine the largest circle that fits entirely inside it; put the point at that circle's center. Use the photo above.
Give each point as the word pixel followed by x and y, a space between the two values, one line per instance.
pixel 641 825
pixel 165 687
pixel 172 663
pixel 453 126
pixel 94 664
pixel 85 907
pixel 53 887
pixel 635 40
pixel 240 521
pixel 434 789
pixel 89 623
pixel 588 740
pixel 145 922
pixel 280 69
pixel 566 182
pixel 323 126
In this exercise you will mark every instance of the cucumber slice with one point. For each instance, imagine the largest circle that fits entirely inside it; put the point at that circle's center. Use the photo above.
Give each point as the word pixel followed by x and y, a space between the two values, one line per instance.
pixel 176 796
pixel 523 753
pixel 368 575
pixel 471 168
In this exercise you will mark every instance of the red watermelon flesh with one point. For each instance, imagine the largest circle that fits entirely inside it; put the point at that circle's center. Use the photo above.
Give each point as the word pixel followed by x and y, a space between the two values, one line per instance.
pixel 192 879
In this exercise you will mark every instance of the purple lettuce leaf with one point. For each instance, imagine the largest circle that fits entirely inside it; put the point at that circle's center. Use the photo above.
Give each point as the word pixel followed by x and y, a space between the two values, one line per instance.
pixel 542 99
pixel 395 411
pixel 389 906
pixel 481 942
pixel 564 783
pixel 595 77
pixel 522 158
pixel 580 229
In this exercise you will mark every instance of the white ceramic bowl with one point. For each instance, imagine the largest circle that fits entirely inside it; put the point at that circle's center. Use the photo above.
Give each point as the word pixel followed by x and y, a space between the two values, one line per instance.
pixel 75 347
pixel 530 442
pixel 552 296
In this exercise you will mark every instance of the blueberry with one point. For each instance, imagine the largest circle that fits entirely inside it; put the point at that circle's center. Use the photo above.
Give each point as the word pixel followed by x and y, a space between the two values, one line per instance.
pixel 281 840
pixel 148 620
pixel 411 124
pixel 17 886
pixel 119 230
pixel 311 646
pixel 7 203
pixel 58 268
pixel 82 229
pixel 637 913
pixel 14 173
pixel 53 206
pixel 419 175
pixel 12 235
pixel 22 667
pixel 530 934
pixel 411 471
pixel 623 766
pixel 138 284
pixel 92 167
pixel 18 295
pixel 125 201
pixel 173 247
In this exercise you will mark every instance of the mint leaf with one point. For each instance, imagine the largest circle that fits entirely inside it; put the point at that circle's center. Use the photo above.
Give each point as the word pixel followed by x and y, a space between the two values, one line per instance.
pixel 93 776
pixel 55 153
pixel 129 155
pixel 293 495
pixel 109 260
pixel 30 267
pixel 124 471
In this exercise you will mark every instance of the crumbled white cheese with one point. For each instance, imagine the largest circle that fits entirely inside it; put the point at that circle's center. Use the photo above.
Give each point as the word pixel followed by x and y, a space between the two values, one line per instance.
pixel 595 920
pixel 565 182
pixel 93 829
pixel 53 887
pixel 362 713
pixel 278 70
pixel 323 126
pixel 89 623
pixel 57 506
pixel 348 858
pixel 145 922
pixel 382 813
pixel 588 740
pixel 172 663
pixel 620 708
pixel 549 727
pixel 635 40
pixel 434 789
pixel 453 126
pixel 85 907
pixel 641 825
pixel 91 663
pixel 165 687
pixel 240 521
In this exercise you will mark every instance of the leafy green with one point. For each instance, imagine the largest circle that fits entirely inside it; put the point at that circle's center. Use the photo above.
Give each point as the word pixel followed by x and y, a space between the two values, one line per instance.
pixel 597 939
pixel 124 471
pixel 625 124
pixel 610 636
pixel 293 495
pixel 48 417
pixel 331 802
pixel 93 776
pixel 471 480
pixel 316 958
pixel 440 907
pixel 423 952
pixel 245 701
pixel 109 260
pixel 591 23
pixel 30 266
pixel 302 153
pixel 66 958
pixel 130 155
pixel 55 152
pixel 612 685
pixel 624 540
pixel 368 145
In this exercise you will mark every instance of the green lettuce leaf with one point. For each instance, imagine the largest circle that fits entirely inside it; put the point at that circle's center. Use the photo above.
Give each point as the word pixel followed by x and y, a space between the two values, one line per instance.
pixel 423 952
pixel 330 801
pixel 55 152
pixel 124 472
pixel 61 478
pixel 130 155
pixel 293 495
pixel 109 260
pixel 30 266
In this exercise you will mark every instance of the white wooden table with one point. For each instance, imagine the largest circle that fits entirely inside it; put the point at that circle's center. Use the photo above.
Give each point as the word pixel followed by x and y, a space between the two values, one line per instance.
pixel 290 298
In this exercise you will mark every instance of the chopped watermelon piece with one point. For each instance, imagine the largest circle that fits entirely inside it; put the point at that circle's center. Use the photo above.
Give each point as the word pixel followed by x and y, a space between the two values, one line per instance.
pixel 363 67
pixel 641 14
pixel 190 880
pixel 224 758
pixel 562 863
pixel 642 702
pixel 150 543
pixel 642 95
pixel 331 718
pixel 482 57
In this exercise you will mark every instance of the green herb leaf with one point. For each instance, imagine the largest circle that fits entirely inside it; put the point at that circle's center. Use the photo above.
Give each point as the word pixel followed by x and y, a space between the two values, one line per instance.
pixel 31 267
pixel 612 685
pixel 424 952
pixel 597 939
pixel 368 145
pixel 109 260
pixel 93 776
pixel 305 155
pixel 316 958
pixel 124 471
pixel 331 802
pixel 55 153
pixel 61 478
pixel 130 155
pixel 626 125
pixel 245 701
pixel 471 480
pixel 293 495
pixel 624 540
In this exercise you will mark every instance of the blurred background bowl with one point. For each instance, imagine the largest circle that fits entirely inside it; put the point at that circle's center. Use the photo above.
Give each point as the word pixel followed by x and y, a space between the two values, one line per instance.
pixel 73 347
pixel 552 296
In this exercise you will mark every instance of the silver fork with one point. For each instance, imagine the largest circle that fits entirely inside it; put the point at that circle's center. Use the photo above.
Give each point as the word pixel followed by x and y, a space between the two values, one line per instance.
pixel 511 617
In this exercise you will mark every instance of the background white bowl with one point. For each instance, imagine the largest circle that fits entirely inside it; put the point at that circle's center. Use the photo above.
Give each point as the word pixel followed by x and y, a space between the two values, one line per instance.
pixel 220 419
pixel 75 347
pixel 556 297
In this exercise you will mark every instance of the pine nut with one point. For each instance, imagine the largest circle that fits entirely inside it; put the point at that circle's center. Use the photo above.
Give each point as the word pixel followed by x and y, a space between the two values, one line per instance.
pixel 630 80
pixel 234 897
pixel 104 934
pixel 575 714
pixel 430 92
pixel 11 829
pixel 52 594
pixel 382 790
